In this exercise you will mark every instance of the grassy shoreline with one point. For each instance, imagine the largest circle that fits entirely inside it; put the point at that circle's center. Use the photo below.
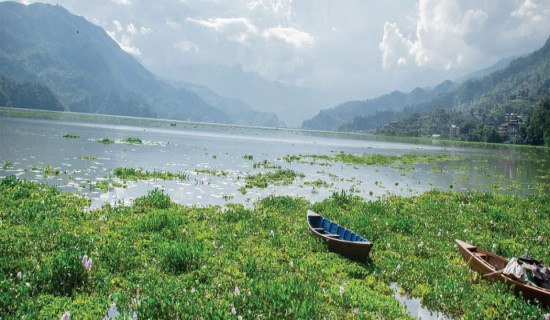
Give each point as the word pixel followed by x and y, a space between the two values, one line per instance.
pixel 165 260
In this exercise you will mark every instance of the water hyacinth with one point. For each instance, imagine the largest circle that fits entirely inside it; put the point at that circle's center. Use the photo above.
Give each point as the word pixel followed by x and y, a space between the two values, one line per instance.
pixel 66 316
pixel 233 311
pixel 129 239
pixel 87 263
pixel 272 233
pixel 19 274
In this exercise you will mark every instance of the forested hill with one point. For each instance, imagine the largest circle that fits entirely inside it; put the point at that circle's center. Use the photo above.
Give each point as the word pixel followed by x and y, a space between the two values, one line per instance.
pixel 27 94
pixel 332 119
pixel 479 106
pixel 87 70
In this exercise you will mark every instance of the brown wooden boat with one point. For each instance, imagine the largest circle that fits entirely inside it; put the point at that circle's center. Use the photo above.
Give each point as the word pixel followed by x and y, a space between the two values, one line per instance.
pixel 340 239
pixel 490 266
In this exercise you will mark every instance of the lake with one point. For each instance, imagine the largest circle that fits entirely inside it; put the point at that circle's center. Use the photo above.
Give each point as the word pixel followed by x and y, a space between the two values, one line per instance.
pixel 217 159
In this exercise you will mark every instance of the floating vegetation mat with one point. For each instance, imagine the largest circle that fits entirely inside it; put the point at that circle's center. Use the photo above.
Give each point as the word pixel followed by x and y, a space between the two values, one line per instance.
pixel 370 159
pixel 137 174
pixel 166 261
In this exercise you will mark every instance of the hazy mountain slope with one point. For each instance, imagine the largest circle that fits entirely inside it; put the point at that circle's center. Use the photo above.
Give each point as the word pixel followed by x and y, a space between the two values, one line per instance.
pixel 240 112
pixel 332 119
pixel 86 69
pixel 499 65
pixel 31 95
pixel 292 104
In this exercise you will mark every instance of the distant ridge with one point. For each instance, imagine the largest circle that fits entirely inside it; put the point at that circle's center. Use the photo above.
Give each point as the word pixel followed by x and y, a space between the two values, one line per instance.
pixel 332 119
pixel 489 92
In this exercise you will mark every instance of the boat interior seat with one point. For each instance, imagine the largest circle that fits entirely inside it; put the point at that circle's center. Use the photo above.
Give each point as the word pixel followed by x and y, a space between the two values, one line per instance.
pixel 333 228
pixel 332 235
pixel 317 222
pixel 347 235
pixel 326 224
pixel 341 231
pixel 481 255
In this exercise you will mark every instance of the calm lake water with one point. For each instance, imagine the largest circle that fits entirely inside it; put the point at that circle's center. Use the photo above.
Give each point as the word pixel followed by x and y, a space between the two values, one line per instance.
pixel 28 146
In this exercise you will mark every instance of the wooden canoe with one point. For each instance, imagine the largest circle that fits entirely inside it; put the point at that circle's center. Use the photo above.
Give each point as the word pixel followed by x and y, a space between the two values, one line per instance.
pixel 488 264
pixel 340 240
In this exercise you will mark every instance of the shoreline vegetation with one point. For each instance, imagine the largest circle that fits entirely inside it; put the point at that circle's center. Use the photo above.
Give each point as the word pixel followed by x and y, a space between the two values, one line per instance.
pixel 163 260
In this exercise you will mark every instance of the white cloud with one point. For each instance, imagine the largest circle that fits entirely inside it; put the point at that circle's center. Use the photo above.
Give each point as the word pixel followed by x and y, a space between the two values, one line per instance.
pixel 123 36
pixel 235 29
pixel 186 46
pixel 532 16
pixel 223 24
pixel 290 35
pixel 173 24
pixel 130 28
pixel 145 30
pixel 440 38
pixel 122 2
pixel 118 25
pixel 395 47
pixel 282 8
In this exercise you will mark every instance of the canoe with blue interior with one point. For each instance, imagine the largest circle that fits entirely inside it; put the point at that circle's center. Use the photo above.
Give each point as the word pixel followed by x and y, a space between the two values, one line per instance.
pixel 340 240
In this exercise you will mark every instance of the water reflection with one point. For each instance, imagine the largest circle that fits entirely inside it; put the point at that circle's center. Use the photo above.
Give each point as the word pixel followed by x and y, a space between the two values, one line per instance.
pixel 414 306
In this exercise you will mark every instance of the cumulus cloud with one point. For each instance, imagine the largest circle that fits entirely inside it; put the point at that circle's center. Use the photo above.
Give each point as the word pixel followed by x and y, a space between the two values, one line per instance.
pixel 241 29
pixel 186 46
pixel 122 2
pixel 172 24
pixel 531 16
pixel 282 8
pixel 290 35
pixel 123 35
pixel 235 29
pixel 439 39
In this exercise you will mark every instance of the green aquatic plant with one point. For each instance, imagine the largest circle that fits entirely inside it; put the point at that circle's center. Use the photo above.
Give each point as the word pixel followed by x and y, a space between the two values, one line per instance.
pixel 7 164
pixel 279 177
pixel 370 159
pixel 266 165
pixel 166 261
pixel 86 158
pixel 105 141
pixel 132 140
pixel 220 173
pixel 137 174
pixel 70 136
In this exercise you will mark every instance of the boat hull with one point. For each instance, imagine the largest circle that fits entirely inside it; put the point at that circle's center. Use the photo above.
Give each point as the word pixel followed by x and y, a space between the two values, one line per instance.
pixel 339 239
pixel 487 263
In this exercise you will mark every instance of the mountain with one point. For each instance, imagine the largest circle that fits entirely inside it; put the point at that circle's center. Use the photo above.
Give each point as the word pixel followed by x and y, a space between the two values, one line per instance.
pixel 292 104
pixel 240 112
pixel 88 71
pixel 478 106
pixel 481 101
pixel 332 119
pixel 31 95
pixel 499 65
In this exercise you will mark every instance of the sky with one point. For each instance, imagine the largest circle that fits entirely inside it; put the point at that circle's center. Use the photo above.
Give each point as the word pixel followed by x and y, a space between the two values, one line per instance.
pixel 355 48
